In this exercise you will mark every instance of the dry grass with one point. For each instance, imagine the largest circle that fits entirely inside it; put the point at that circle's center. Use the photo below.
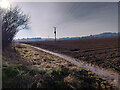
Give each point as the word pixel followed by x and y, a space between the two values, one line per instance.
pixel 100 51
pixel 36 69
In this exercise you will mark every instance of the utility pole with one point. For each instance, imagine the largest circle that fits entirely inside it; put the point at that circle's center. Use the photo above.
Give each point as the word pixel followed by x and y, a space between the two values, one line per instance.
pixel 55 32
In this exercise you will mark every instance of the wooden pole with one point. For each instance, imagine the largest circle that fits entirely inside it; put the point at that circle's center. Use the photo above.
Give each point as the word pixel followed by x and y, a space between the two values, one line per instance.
pixel 55 33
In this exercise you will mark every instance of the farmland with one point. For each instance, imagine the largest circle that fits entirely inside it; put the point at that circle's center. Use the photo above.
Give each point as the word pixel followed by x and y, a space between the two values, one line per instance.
pixel 102 52
pixel 27 67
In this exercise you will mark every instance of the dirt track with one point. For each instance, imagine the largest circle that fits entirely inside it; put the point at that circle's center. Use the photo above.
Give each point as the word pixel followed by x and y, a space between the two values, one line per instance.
pixel 102 52
pixel 110 76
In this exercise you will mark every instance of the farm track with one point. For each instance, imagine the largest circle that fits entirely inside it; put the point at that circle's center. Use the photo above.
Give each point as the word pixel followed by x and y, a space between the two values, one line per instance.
pixel 111 77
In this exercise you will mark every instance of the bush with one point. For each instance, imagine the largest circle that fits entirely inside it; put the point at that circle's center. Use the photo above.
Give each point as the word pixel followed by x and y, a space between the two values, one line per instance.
pixel 13 20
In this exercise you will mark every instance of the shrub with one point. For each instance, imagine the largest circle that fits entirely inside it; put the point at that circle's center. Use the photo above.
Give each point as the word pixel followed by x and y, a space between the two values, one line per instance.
pixel 13 20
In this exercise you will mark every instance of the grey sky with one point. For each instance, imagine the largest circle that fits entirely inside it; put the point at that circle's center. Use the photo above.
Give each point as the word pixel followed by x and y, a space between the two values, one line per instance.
pixel 71 19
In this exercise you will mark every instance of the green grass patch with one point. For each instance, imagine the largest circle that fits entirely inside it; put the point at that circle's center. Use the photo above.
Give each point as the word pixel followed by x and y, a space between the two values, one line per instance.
pixel 10 71
pixel 8 75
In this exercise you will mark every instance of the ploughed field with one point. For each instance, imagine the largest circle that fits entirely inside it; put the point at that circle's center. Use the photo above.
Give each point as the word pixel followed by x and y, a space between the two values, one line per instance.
pixel 100 51
pixel 27 67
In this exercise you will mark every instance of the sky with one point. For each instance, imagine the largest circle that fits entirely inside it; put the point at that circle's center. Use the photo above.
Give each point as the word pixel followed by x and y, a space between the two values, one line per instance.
pixel 72 19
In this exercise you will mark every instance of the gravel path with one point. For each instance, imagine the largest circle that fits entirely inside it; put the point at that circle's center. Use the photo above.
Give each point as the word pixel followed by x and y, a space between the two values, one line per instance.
pixel 111 77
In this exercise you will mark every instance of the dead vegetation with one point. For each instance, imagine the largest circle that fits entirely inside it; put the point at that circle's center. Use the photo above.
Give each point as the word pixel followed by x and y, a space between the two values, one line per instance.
pixel 26 67
pixel 100 51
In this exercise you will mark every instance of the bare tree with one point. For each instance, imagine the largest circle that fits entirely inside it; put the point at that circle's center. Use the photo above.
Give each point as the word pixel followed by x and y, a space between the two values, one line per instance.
pixel 13 20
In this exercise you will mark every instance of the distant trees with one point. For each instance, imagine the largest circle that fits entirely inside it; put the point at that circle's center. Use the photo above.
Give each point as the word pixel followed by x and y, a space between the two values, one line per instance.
pixel 13 20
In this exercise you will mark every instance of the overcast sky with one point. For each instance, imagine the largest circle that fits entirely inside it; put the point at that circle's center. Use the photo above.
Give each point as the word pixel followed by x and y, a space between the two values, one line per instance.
pixel 71 19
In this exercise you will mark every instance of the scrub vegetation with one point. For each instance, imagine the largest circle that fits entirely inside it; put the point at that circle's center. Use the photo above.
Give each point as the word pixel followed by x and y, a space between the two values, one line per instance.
pixel 26 67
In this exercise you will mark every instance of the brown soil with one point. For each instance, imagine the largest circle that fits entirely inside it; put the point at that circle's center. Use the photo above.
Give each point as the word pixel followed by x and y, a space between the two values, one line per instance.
pixel 100 51
pixel 37 69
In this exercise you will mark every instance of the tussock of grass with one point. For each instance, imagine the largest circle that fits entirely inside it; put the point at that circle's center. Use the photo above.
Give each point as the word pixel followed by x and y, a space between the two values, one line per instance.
pixel 56 78
pixel 48 71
